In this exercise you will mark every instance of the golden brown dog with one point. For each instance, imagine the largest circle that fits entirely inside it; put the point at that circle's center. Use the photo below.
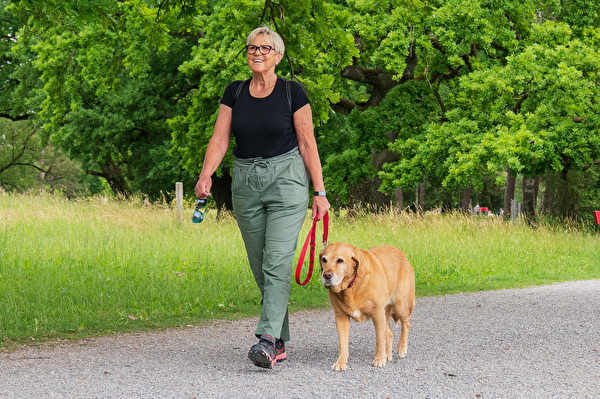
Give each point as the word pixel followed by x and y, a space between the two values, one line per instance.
pixel 376 284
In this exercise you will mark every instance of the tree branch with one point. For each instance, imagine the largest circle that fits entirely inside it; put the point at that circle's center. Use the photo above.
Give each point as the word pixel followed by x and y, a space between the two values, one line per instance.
pixel 15 118
pixel 12 164
pixel 345 106
pixel 94 173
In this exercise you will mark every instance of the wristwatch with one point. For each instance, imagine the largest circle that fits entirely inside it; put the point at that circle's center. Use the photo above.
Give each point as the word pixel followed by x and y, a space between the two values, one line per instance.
pixel 320 194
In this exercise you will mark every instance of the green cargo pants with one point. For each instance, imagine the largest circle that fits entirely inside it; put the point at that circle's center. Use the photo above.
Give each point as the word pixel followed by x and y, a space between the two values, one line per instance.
pixel 270 200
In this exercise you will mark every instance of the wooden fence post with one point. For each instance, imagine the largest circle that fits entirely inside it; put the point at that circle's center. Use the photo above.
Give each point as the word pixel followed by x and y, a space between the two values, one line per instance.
pixel 179 200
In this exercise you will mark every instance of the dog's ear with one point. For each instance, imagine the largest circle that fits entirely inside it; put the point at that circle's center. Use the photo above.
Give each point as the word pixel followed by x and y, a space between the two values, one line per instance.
pixel 357 259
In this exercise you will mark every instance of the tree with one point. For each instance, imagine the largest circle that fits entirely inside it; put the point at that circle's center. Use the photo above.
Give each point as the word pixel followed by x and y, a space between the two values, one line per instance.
pixel 429 45
pixel 109 85
pixel 531 114
pixel 466 46
pixel 543 106
pixel 25 163
pixel 455 93
pixel 20 155
pixel 16 73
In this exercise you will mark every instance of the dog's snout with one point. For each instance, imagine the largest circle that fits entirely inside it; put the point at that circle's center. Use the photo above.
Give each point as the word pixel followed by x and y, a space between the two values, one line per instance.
pixel 327 275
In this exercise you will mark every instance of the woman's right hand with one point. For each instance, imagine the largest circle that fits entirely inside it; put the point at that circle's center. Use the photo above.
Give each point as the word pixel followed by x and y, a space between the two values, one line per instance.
pixel 203 187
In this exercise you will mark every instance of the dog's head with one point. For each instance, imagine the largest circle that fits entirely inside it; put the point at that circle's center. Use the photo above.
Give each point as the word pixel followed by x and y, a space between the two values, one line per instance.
pixel 339 264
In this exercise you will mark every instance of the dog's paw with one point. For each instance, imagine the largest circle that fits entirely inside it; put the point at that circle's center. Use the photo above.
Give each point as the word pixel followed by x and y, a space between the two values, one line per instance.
pixel 379 362
pixel 402 352
pixel 339 366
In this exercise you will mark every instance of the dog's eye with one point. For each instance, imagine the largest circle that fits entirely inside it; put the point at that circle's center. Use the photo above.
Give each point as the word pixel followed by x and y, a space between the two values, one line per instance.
pixel 323 259
pixel 340 260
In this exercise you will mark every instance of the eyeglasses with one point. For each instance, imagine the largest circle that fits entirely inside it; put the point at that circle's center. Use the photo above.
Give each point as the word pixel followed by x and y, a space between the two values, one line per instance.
pixel 264 50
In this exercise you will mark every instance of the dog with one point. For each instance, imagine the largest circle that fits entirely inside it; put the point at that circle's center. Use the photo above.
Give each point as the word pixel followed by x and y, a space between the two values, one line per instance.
pixel 376 284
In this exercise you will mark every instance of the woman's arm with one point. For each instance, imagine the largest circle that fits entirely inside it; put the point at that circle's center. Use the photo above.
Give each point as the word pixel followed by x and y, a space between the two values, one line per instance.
pixel 216 150
pixel 310 154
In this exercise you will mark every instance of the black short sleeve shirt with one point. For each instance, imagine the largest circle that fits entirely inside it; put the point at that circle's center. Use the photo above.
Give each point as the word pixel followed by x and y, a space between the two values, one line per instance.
pixel 264 127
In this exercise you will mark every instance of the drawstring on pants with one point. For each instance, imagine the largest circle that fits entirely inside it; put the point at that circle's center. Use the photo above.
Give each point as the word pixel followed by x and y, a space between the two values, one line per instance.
pixel 255 163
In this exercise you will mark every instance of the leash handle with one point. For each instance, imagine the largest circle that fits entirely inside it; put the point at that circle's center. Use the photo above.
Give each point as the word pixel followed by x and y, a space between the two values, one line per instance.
pixel 311 238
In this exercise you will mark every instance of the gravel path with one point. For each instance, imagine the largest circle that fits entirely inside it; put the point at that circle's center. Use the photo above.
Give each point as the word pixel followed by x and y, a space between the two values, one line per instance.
pixel 539 342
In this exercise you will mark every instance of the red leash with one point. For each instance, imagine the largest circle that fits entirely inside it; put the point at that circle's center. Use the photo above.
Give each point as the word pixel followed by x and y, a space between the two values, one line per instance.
pixel 311 238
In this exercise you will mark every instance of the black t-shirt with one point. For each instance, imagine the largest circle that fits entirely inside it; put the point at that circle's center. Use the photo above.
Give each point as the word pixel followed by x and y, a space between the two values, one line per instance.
pixel 264 127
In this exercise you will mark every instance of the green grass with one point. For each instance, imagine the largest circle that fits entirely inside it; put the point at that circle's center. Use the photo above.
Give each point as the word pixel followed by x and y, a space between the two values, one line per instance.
pixel 70 269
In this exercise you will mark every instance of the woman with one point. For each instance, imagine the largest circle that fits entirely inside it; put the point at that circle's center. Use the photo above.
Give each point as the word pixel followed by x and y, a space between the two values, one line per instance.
pixel 274 157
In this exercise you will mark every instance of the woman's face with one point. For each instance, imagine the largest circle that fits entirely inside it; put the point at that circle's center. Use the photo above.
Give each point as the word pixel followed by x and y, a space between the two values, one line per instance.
pixel 258 62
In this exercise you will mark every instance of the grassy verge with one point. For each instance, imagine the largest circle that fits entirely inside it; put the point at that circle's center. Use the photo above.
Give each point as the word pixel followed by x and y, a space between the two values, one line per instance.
pixel 71 269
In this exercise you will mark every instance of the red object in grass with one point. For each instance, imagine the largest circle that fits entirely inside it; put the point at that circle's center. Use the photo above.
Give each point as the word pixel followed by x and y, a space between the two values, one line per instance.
pixel 597 216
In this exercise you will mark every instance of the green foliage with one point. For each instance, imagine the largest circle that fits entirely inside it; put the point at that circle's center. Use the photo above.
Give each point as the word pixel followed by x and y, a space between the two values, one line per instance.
pixel 534 114
pixel 573 194
pixel 460 39
pixel 578 14
pixel 16 73
pixel 25 163
pixel 549 95
pixel 19 149
pixel 108 91
pixel 450 92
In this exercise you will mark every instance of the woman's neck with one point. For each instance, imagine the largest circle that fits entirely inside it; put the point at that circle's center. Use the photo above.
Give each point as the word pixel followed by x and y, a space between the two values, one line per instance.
pixel 262 85
pixel 264 80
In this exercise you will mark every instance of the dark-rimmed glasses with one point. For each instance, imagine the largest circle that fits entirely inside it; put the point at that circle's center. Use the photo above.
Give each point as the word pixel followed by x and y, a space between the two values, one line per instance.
pixel 264 50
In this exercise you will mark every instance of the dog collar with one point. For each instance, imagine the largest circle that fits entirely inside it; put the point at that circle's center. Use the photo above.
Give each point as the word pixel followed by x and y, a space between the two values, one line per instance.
pixel 352 282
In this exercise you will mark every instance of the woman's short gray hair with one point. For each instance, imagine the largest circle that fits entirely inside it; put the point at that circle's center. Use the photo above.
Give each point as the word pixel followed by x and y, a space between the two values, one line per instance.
pixel 276 40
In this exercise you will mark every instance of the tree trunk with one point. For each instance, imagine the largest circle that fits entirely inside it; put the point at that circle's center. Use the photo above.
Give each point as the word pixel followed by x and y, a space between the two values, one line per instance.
pixel 567 197
pixel 111 172
pixel 367 194
pixel 399 198
pixel 509 193
pixel 42 172
pixel 117 184
pixel 466 200
pixel 529 199
pixel 52 179
pixel 422 198
pixel 546 203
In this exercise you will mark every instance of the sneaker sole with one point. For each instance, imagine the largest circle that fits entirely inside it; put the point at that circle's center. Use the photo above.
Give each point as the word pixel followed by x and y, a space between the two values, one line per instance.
pixel 261 359
pixel 281 357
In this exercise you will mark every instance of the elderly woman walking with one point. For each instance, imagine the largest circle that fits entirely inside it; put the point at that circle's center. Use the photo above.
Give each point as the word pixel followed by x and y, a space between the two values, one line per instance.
pixel 275 155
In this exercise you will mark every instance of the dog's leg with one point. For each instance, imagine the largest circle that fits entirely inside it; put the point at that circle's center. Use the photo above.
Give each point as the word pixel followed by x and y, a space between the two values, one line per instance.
pixel 389 342
pixel 380 338
pixel 342 322
pixel 403 340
